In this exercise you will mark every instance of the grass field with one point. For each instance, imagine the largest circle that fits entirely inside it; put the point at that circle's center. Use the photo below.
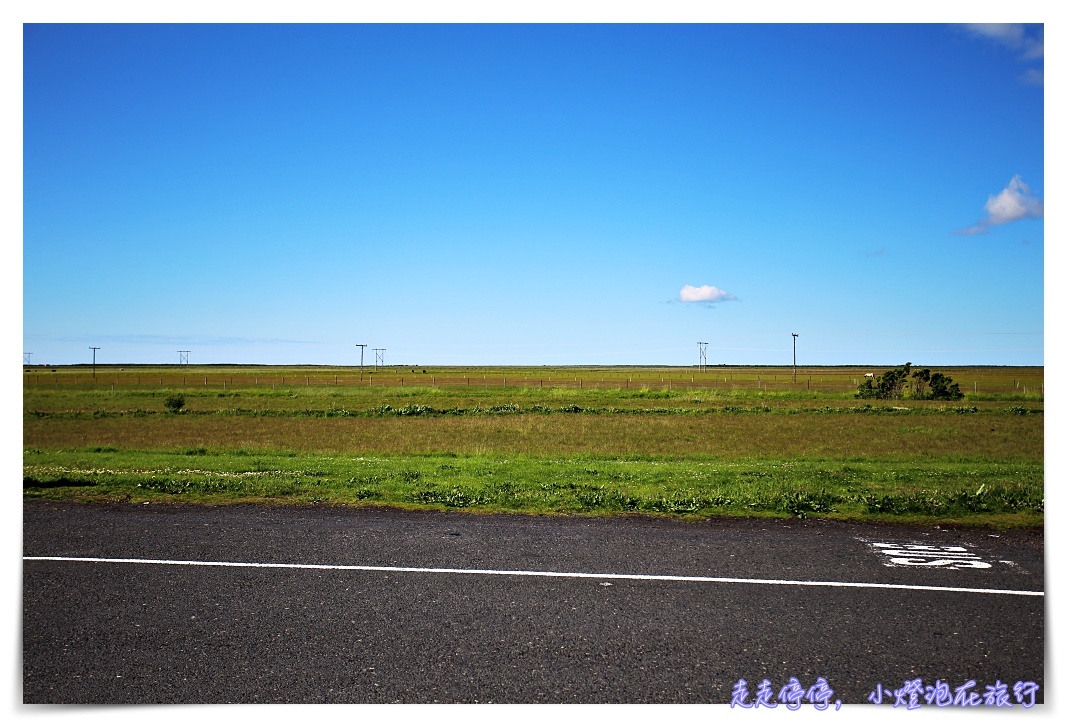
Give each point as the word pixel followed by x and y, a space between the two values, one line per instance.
pixel 724 441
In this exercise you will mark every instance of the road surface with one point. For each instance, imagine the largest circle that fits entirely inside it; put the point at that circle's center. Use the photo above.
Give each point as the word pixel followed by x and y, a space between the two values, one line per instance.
pixel 142 603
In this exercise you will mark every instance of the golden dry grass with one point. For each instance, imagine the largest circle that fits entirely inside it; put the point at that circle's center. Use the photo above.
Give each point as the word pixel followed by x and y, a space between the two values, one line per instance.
pixel 849 435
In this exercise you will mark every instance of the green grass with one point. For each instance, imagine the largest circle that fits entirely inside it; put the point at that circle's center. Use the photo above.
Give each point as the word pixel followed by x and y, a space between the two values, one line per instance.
pixel 974 492
pixel 689 449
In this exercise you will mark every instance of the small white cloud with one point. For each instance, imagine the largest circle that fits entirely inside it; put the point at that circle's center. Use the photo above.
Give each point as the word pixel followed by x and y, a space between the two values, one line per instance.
pixel 704 294
pixel 1015 202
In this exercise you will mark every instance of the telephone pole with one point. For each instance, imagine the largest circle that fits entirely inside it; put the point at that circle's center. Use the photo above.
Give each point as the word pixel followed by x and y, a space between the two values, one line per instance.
pixel 94 348
pixel 795 357
pixel 362 347
pixel 702 355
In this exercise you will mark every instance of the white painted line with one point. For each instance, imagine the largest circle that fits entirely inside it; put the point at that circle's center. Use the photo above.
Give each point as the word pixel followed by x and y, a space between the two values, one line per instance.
pixel 572 575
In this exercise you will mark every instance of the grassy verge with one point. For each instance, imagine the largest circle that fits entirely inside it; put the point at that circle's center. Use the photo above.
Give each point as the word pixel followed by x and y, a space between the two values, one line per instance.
pixel 964 492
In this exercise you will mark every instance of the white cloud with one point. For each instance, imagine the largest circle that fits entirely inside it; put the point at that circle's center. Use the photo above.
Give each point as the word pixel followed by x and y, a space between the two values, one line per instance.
pixel 704 294
pixel 1015 202
pixel 1028 39
pixel 1007 33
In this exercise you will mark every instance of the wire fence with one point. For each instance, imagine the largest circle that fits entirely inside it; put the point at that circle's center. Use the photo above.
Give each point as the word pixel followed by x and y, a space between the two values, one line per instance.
pixel 816 381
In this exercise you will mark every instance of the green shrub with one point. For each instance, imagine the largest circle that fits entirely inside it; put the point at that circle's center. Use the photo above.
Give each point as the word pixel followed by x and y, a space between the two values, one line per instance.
pixel 925 385
pixel 174 403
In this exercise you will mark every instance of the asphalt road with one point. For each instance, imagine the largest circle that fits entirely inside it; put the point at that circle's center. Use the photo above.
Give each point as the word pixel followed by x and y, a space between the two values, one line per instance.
pixel 735 599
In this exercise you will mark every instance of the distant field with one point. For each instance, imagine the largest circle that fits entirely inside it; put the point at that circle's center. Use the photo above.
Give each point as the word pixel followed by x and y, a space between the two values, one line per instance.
pixel 727 440
pixel 743 381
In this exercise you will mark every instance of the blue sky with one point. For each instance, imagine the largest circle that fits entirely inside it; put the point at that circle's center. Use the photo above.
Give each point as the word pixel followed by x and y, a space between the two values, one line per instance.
pixel 533 194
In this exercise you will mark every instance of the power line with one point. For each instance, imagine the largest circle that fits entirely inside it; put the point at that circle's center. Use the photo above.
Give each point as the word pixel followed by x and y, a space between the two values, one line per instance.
pixel 380 358
pixel 362 347
pixel 702 355
pixel 94 348
pixel 795 358
pixel 183 357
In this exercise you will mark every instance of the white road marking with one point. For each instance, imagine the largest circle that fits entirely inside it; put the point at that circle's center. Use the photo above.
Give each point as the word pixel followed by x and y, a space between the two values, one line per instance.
pixel 919 554
pixel 565 574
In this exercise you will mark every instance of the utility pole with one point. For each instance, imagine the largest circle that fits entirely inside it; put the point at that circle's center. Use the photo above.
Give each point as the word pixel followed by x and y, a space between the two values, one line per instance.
pixel 702 355
pixel 183 357
pixel 362 347
pixel 795 357
pixel 380 358
pixel 26 357
pixel 94 348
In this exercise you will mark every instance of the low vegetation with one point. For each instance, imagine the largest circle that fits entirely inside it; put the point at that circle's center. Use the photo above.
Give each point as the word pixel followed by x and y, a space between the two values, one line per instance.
pixel 174 402
pixel 693 451
pixel 895 384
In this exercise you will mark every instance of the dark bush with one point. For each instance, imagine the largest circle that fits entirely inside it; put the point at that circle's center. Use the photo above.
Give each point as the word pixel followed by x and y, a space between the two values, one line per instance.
pixel 925 385
pixel 174 403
